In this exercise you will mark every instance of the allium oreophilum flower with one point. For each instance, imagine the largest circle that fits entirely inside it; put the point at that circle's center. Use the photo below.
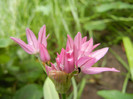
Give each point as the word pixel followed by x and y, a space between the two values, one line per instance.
pixel 35 46
pixel 78 56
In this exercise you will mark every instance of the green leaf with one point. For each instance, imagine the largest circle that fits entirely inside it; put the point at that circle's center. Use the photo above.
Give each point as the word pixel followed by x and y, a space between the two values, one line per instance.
pixel 114 5
pixel 49 90
pixel 129 52
pixel 4 42
pixel 95 25
pixel 114 94
pixel 31 91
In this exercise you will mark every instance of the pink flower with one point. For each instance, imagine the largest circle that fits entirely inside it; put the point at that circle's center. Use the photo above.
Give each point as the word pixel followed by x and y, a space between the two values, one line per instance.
pixel 79 55
pixel 34 45
pixel 84 57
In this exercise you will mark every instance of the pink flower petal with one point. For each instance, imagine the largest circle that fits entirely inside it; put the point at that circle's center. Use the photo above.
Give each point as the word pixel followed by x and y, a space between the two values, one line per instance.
pixel 96 70
pixel 78 40
pixel 85 62
pixel 61 56
pixel 42 36
pixel 47 36
pixel 98 54
pixel 84 39
pixel 54 67
pixel 44 55
pixel 69 63
pixel 81 61
pixel 32 40
pixel 58 62
pixel 26 48
pixel 76 53
pixel 96 45
pixel 87 53
pixel 87 47
pixel 48 69
pixel 69 42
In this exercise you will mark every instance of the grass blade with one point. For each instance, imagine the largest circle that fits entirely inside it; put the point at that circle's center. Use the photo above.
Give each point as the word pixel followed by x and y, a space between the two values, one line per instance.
pixel 119 59
pixel 129 52
pixel 82 85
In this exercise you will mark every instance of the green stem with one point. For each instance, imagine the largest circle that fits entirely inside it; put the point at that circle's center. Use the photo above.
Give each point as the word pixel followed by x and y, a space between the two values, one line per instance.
pixel 81 88
pixel 41 64
pixel 90 33
pixel 125 83
pixel 63 96
pixel 74 88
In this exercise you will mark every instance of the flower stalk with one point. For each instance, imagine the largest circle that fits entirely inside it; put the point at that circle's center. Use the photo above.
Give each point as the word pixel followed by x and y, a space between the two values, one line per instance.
pixel 43 66
pixel 63 96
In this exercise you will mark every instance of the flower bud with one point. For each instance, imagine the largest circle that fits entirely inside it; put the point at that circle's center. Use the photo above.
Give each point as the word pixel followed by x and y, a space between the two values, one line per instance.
pixel 44 55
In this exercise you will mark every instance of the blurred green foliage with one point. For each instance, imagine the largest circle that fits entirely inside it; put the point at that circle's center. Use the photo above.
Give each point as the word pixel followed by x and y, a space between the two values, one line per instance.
pixel 31 91
pixel 114 94
pixel 107 21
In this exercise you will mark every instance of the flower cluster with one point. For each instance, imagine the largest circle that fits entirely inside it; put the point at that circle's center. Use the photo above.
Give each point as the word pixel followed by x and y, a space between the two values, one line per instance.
pixel 77 57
